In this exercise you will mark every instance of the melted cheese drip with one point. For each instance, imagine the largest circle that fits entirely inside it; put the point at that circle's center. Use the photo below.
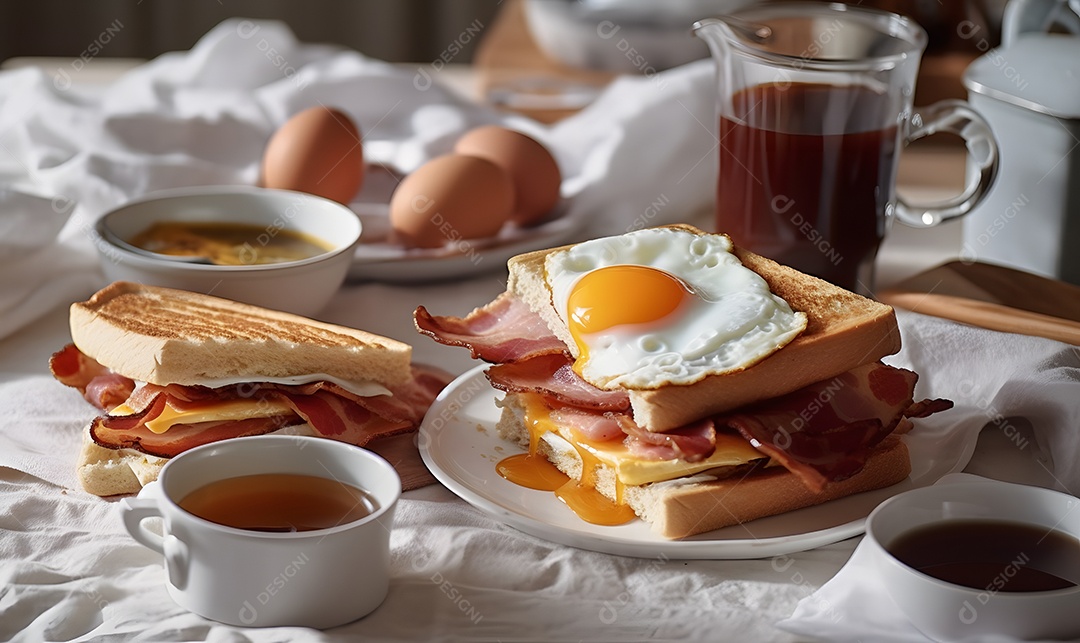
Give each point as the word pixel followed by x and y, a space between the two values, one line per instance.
pixel 225 410
pixel 535 472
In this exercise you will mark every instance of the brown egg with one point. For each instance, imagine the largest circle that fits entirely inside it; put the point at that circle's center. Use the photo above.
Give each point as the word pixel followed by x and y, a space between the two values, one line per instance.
pixel 533 169
pixel 317 151
pixel 449 198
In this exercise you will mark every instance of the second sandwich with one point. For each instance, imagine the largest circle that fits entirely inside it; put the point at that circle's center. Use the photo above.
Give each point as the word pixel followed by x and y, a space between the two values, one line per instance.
pixel 172 370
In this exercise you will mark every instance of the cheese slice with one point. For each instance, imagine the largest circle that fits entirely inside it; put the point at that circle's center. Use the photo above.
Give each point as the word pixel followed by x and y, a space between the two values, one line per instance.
pixel 630 469
pixel 238 409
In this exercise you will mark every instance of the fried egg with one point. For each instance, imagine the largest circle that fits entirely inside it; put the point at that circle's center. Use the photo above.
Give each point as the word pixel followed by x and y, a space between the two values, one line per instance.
pixel 664 306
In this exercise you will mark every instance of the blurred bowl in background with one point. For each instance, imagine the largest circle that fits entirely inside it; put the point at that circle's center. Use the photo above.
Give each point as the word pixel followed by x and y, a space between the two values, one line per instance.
pixel 302 285
pixel 625 36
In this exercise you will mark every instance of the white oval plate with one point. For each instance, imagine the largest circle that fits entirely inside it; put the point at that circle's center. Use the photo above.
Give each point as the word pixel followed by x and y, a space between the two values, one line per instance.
pixel 390 263
pixel 459 445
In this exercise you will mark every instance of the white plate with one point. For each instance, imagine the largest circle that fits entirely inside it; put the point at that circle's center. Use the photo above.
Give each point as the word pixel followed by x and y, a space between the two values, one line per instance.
pixel 379 260
pixel 390 263
pixel 459 444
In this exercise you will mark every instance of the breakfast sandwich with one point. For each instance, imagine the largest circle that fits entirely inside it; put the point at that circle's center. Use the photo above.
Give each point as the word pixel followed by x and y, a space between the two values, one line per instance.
pixel 691 381
pixel 172 370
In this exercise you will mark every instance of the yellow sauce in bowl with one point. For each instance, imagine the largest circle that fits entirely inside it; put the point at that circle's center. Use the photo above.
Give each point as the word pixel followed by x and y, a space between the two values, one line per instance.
pixel 229 244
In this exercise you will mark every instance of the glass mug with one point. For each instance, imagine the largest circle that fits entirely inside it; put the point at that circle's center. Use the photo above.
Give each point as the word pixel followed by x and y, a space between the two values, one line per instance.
pixel 814 104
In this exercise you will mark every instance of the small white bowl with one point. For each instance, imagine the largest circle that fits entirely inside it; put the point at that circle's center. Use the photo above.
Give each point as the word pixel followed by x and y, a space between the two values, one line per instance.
pixel 303 287
pixel 948 612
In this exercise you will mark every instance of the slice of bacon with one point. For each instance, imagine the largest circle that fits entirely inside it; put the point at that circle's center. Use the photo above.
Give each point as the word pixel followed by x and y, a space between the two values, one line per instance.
pixel 825 431
pixel 592 426
pixel 505 330
pixel 926 408
pixel 108 390
pixel 691 443
pixel 821 433
pixel 154 406
pixel 338 417
pixel 179 437
pixel 330 415
pixel 98 385
pixel 553 376
pixel 409 401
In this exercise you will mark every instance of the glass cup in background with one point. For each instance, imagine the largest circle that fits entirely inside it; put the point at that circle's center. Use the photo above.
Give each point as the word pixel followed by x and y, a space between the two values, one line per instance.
pixel 814 104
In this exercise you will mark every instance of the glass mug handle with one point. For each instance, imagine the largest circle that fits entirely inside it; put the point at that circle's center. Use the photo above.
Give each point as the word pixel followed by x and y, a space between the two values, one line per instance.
pixel 955 117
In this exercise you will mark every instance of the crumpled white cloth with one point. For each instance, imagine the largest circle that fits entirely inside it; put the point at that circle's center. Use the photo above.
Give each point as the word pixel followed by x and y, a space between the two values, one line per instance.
pixel 1003 381
pixel 641 155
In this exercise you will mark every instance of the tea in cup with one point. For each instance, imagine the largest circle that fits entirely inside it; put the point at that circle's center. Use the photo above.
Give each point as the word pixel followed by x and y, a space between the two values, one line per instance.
pixel 272 530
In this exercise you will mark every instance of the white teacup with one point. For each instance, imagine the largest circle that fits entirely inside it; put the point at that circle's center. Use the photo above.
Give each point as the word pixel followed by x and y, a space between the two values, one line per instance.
pixel 319 578
pixel 949 612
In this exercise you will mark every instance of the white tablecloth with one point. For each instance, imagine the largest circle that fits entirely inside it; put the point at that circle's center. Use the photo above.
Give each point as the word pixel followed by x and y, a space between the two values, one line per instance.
pixel 69 572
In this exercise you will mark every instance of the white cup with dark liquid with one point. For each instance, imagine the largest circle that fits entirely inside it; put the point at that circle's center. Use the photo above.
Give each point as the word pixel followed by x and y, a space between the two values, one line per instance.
pixel 272 530
pixel 970 557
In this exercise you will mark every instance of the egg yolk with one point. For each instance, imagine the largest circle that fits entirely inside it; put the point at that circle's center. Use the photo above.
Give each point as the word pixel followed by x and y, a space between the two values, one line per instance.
pixel 621 295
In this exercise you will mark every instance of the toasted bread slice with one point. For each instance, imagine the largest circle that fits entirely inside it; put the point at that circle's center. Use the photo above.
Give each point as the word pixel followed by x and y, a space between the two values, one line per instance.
pixel 165 336
pixel 700 503
pixel 844 330
pixel 109 472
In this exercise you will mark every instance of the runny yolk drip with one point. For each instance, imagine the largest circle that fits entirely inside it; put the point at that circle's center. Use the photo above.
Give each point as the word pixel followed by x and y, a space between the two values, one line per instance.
pixel 592 506
pixel 621 295
pixel 533 471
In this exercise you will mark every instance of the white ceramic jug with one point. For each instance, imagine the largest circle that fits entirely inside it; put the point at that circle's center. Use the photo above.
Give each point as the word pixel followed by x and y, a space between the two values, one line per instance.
pixel 1028 89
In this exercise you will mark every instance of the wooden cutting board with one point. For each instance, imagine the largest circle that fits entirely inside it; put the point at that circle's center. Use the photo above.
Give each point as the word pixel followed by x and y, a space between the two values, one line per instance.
pixel 993 297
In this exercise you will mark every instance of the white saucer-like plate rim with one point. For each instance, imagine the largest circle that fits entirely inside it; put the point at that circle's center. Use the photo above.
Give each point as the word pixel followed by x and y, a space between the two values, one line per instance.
pixel 382 262
pixel 462 419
